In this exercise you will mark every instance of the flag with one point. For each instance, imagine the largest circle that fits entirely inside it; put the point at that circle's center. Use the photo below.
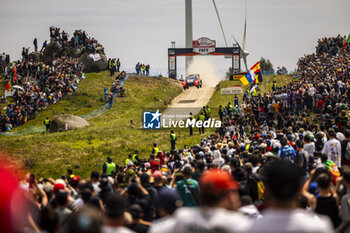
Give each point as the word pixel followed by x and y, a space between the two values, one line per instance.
pixel 346 41
pixel 256 67
pixel 10 93
pixel 258 77
pixel 248 78
pixel 253 88
pixel 244 80
pixel 257 72
pixel 332 167
pixel 8 86
pixel 15 74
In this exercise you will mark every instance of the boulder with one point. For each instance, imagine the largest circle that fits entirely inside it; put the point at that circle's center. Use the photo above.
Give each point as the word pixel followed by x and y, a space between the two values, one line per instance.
pixel 35 56
pixel 90 65
pixel 74 52
pixel 52 51
pixel 65 122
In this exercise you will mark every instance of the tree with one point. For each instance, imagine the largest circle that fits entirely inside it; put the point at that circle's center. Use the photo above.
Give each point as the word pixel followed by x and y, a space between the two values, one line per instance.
pixel 284 70
pixel 265 64
pixel 229 73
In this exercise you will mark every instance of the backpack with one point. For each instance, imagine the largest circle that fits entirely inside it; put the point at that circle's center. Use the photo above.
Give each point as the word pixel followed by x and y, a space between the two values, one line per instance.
pixel 177 165
pixel 252 182
pixel 243 188
pixel 288 155
pixel 347 151
pixel 319 145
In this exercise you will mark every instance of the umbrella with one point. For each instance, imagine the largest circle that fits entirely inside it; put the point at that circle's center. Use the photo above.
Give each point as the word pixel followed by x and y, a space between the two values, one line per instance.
pixel 18 87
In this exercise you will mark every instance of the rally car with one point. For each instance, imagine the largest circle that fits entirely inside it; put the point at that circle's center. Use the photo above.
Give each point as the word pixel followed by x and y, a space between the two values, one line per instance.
pixel 192 80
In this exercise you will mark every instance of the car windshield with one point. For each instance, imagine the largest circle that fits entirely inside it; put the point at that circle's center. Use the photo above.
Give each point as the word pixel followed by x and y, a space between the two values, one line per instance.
pixel 192 78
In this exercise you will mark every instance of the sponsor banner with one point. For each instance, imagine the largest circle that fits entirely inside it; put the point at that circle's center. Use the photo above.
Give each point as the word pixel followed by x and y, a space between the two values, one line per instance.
pixel 204 45
pixel 203 50
pixel 235 62
pixel 96 57
pixel 237 77
pixel 204 42
pixel 172 63
pixel 231 91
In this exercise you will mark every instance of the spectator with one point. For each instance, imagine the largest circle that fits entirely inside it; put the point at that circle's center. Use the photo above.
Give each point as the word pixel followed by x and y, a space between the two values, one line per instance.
pixel 114 215
pixel 332 148
pixel 188 189
pixel 44 46
pixel 283 182
pixel 218 198
pixel 35 43
pixel 62 211
pixel 344 203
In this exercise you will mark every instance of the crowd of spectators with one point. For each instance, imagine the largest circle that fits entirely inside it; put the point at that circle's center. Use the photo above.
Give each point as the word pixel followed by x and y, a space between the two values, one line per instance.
pixel 268 168
pixel 142 68
pixel 47 85
pixel 332 45
pixel 41 85
pixel 116 89
pixel 79 39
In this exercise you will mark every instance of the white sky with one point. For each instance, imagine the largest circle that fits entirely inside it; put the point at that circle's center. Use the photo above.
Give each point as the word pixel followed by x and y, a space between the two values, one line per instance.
pixel 141 30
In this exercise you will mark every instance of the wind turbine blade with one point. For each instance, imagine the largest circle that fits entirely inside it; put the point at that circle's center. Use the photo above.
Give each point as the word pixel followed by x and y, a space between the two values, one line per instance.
pixel 222 28
pixel 245 63
pixel 236 41
pixel 245 27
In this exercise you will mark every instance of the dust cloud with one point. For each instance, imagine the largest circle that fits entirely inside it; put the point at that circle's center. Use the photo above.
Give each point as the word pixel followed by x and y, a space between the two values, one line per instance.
pixel 202 66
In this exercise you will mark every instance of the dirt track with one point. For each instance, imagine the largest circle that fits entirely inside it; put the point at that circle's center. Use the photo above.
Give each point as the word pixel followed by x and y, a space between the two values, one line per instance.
pixel 190 100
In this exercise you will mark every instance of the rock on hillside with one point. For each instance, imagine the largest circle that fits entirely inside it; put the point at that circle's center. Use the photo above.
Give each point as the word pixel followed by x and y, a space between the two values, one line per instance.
pixel 67 122
pixel 74 52
pixel 93 66
pixel 35 56
pixel 52 51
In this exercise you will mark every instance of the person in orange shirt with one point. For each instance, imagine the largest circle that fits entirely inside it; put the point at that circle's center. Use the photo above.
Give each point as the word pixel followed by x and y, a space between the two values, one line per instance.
pixel 276 106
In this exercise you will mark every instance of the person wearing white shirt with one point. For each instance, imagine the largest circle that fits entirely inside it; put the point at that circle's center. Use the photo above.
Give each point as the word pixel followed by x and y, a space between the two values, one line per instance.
pixel 309 146
pixel 283 183
pixel 332 148
pixel 219 198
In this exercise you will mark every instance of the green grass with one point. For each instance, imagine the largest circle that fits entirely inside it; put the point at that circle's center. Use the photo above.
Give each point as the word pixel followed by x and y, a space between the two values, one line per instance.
pixel 111 134
pixel 265 87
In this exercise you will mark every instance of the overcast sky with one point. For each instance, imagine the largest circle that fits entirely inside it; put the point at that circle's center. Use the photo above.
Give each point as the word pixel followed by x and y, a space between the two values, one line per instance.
pixel 141 30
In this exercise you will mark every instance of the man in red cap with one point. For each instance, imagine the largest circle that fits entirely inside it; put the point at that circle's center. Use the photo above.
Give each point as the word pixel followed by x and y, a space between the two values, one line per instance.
pixel 218 199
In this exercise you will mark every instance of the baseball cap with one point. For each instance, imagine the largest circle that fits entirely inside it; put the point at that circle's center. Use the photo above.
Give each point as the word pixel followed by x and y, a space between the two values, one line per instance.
pixel 147 165
pixel 216 181
pixel 157 174
pixel 75 179
pixel 169 200
pixel 58 186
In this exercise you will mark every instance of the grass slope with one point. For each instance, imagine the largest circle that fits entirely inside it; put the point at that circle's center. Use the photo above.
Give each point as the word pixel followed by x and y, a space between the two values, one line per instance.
pixel 265 87
pixel 110 134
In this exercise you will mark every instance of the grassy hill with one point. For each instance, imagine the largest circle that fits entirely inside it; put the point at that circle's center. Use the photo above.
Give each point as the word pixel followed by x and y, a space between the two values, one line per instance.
pixel 111 134
pixel 265 87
